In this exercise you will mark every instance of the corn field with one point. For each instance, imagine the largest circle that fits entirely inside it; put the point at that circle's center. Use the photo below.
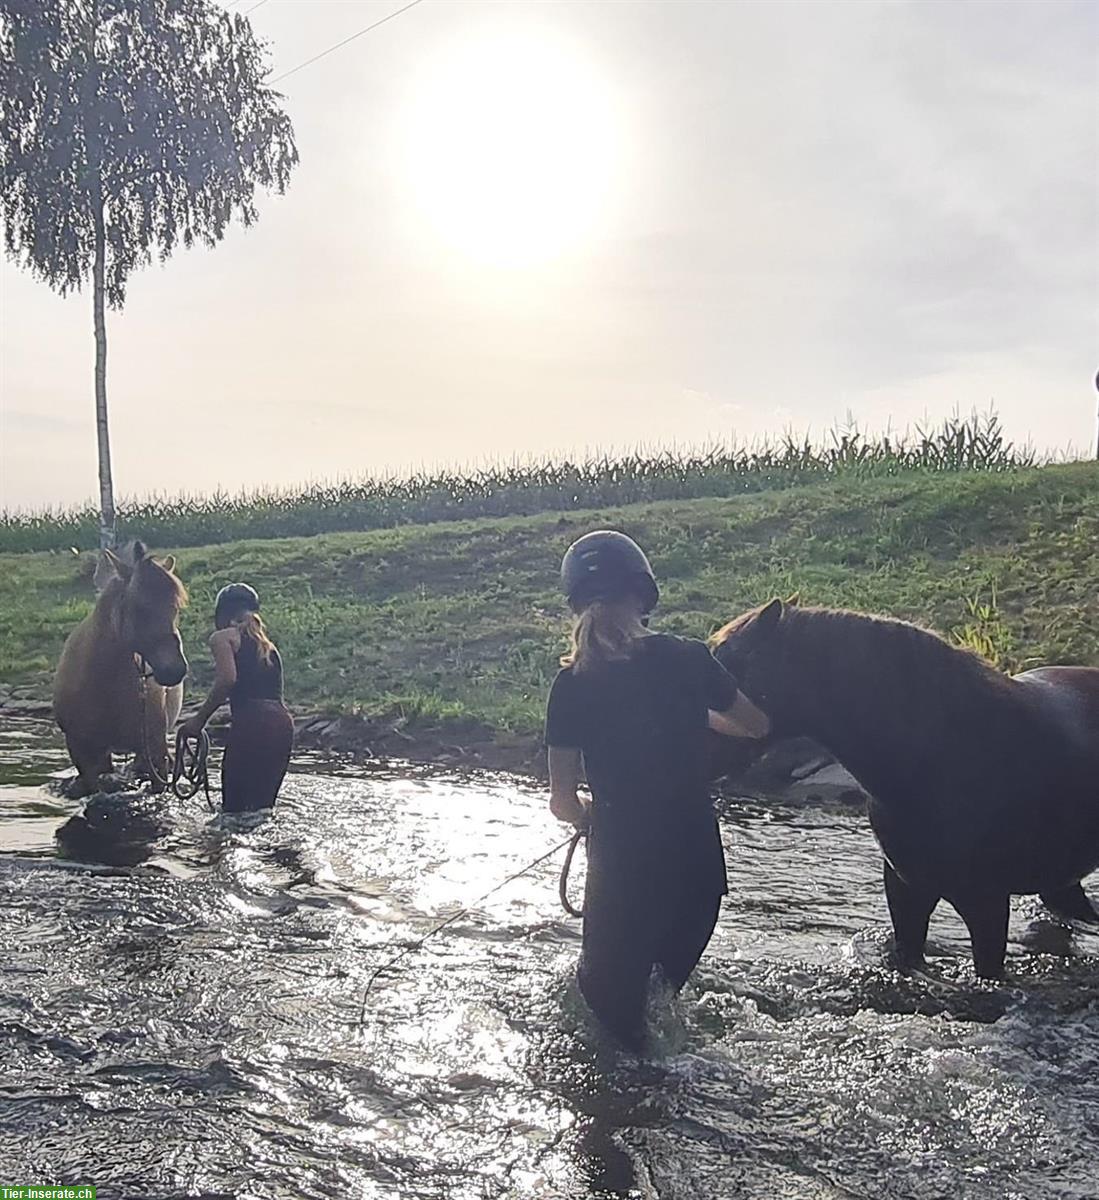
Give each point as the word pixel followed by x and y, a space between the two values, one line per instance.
pixel 976 443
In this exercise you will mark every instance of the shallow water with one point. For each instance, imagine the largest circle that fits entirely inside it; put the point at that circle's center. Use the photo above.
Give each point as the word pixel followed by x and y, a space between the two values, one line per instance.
pixel 189 1024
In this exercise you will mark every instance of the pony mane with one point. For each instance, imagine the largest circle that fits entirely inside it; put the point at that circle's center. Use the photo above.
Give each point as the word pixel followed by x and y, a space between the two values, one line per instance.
pixel 856 649
pixel 730 627
pixel 892 632
pixel 932 681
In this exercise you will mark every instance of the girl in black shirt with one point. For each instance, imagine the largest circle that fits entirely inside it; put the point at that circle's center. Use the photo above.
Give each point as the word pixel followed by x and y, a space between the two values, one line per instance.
pixel 247 673
pixel 633 708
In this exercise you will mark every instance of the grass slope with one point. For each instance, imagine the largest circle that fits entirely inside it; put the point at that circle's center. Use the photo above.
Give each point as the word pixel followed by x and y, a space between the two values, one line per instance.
pixel 462 621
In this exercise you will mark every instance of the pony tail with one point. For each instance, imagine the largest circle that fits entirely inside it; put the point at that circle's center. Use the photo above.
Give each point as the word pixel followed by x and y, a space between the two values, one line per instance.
pixel 251 625
pixel 602 633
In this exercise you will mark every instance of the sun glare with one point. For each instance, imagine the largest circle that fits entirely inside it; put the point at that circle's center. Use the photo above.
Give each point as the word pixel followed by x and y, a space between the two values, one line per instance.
pixel 513 146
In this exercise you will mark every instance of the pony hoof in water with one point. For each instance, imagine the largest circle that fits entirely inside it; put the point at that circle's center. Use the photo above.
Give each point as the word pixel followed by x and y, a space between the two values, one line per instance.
pixel 149 782
pixel 74 788
pixel 114 783
pixel 78 788
pixel 908 962
pixel 982 786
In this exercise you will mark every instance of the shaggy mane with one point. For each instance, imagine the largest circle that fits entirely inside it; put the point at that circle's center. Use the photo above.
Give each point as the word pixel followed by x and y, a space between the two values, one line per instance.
pixel 917 655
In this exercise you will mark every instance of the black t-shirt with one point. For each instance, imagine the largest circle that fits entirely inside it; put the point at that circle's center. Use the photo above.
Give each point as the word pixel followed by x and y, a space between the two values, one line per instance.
pixel 256 679
pixel 641 725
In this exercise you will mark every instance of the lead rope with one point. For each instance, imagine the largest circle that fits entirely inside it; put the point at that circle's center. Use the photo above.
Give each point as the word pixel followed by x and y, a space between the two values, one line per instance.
pixel 391 962
pixel 190 770
pixel 566 867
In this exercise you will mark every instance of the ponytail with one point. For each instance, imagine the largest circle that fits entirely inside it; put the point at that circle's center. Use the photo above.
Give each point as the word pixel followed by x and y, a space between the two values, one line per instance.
pixel 251 625
pixel 604 632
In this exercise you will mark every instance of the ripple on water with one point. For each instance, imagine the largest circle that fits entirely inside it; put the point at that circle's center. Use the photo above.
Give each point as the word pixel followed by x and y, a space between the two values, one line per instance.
pixel 190 1024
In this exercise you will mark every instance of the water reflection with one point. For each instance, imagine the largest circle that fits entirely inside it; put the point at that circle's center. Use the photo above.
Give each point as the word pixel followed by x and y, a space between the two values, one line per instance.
pixel 192 1024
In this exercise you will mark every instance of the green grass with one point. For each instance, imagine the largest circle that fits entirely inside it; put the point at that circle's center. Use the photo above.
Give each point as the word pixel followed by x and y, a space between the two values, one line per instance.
pixel 974 444
pixel 462 621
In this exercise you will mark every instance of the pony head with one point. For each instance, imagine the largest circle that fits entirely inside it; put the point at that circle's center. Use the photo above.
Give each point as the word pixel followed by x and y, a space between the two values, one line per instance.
pixel 147 597
pixel 750 648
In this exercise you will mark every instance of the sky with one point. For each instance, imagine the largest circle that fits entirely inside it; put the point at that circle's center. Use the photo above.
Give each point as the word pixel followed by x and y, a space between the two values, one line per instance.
pixel 529 229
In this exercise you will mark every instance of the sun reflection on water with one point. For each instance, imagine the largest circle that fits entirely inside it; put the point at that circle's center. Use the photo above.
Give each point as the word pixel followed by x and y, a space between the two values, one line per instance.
pixel 174 1032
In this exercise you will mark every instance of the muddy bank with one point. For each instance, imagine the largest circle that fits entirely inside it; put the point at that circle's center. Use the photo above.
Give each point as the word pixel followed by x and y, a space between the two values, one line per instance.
pixel 24 702
pixel 460 743
pixel 456 743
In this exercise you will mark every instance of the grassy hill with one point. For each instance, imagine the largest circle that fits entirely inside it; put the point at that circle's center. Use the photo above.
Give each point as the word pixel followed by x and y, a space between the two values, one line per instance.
pixel 460 623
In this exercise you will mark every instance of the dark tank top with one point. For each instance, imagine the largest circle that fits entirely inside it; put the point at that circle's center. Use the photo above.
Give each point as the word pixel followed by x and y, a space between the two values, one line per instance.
pixel 256 679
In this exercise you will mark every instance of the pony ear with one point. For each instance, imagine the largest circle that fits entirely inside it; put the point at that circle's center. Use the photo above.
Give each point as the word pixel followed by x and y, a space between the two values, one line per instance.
pixel 768 618
pixel 169 563
pixel 793 600
pixel 109 567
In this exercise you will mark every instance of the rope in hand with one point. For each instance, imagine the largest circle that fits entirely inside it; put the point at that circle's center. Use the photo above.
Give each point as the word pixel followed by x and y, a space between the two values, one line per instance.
pixel 566 867
pixel 190 770
pixel 411 947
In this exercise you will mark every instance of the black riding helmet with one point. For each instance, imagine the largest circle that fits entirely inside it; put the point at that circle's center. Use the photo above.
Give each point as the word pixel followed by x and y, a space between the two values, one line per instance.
pixel 607 565
pixel 235 598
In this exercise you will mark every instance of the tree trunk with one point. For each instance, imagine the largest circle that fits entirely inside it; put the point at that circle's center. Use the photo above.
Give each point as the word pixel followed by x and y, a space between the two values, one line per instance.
pixel 103 437
pixel 94 150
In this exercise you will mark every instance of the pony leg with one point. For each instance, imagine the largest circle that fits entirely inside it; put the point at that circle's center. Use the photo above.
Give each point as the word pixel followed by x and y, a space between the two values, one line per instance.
pixel 1070 903
pixel 152 758
pixel 173 703
pixel 985 917
pixel 91 765
pixel 910 909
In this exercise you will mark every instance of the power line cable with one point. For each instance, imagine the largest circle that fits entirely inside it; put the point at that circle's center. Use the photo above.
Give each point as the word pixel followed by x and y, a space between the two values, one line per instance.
pixel 332 49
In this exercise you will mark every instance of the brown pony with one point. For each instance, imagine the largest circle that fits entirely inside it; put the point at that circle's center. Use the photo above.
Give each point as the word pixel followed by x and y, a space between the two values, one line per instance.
pixel 119 684
pixel 982 786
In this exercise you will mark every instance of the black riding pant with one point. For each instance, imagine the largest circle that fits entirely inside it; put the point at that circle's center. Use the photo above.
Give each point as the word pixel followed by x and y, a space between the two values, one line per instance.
pixel 651 900
pixel 257 754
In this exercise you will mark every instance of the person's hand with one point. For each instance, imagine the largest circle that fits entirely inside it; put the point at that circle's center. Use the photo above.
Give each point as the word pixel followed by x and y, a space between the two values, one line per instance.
pixel 569 807
pixel 741 720
pixel 191 728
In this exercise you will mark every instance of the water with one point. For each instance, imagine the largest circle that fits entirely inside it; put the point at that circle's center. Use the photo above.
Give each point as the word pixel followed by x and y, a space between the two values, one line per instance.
pixel 187 1023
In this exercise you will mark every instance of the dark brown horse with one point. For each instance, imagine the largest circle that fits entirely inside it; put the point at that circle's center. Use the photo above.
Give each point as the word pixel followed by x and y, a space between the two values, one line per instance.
pixel 119 683
pixel 982 786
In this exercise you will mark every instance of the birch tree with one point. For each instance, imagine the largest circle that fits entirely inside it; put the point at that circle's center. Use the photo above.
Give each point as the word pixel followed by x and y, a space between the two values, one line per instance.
pixel 128 127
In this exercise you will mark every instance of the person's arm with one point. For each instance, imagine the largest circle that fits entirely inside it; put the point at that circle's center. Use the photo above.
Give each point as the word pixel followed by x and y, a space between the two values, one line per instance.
pixel 564 739
pixel 741 719
pixel 565 774
pixel 224 646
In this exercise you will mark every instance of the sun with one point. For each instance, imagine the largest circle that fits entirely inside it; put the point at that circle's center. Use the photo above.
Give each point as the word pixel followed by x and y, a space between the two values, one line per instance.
pixel 512 145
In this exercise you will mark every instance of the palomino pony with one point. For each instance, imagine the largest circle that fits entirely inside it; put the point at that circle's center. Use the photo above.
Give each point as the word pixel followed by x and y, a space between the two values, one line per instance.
pixel 982 786
pixel 119 684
